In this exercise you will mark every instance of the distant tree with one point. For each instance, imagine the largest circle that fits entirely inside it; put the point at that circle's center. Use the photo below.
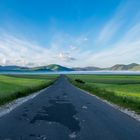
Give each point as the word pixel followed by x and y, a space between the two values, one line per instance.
pixel 79 81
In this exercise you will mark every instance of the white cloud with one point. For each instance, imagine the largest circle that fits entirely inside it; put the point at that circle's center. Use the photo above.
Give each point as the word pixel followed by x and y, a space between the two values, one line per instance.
pixel 15 51
pixel 124 53
pixel 65 57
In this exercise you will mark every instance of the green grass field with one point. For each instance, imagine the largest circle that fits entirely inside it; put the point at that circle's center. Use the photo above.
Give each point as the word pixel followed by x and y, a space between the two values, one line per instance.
pixel 15 86
pixel 123 90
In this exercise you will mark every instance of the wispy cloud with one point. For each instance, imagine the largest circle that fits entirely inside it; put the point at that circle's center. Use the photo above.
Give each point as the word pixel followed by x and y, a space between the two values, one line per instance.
pixel 119 38
pixel 124 53
pixel 16 51
pixel 117 23
pixel 108 31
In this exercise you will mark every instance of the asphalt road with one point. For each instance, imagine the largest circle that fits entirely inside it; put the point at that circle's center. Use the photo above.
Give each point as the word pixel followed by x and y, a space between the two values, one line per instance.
pixel 63 112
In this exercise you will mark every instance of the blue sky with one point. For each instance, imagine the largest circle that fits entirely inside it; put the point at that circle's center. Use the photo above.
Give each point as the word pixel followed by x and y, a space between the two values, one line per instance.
pixel 69 32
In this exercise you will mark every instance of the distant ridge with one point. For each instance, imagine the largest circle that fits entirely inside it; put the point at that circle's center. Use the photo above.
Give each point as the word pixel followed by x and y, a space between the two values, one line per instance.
pixel 117 67
pixel 55 68
pixel 51 67
pixel 122 67
pixel 7 68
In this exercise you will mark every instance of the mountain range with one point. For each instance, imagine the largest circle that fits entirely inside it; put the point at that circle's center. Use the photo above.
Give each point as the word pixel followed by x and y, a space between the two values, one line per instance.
pixel 55 67
pixel 117 67
pixel 49 68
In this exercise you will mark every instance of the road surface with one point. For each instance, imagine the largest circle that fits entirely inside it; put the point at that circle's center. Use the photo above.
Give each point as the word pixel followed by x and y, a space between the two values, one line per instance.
pixel 63 112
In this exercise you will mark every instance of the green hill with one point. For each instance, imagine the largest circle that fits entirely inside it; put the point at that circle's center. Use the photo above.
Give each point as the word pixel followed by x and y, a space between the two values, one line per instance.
pixel 55 67
pixel 52 67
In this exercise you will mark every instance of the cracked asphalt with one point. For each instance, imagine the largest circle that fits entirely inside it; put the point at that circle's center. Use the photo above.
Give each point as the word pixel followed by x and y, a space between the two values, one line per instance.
pixel 63 112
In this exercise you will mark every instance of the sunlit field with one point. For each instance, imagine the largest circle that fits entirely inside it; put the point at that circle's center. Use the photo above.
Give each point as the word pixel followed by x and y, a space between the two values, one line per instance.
pixel 15 86
pixel 123 90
